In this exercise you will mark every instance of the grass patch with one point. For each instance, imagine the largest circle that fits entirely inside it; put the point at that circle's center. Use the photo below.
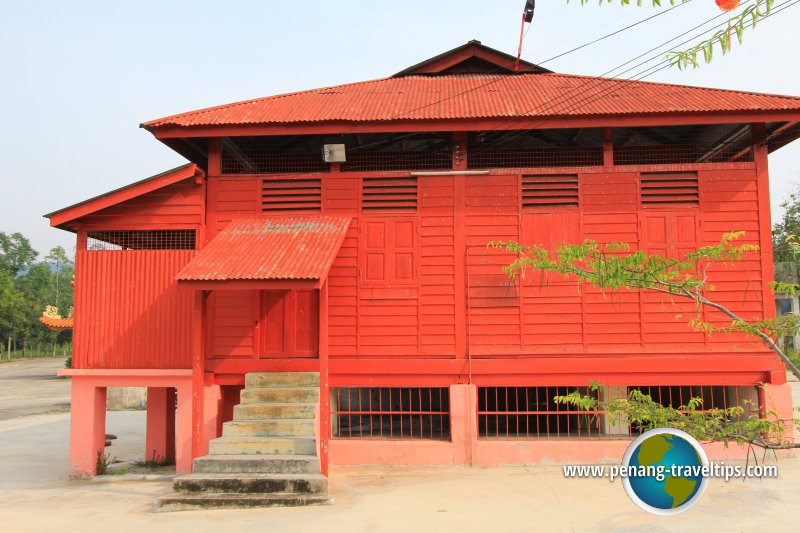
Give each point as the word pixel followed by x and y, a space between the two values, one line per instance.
pixel 154 462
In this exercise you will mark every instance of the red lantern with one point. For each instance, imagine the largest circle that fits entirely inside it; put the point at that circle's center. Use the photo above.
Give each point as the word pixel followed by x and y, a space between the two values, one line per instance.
pixel 727 5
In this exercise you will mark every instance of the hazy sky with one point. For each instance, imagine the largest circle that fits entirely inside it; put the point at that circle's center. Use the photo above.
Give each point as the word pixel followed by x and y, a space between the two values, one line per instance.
pixel 78 77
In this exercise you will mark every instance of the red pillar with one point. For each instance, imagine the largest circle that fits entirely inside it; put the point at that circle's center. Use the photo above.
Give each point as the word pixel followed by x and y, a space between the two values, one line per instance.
pixel 183 430
pixel 87 427
pixel 160 439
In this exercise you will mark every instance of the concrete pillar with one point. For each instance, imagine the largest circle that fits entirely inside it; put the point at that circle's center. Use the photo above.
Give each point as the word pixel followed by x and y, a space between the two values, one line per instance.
pixel 87 427
pixel 160 439
pixel 212 404
pixel 183 429
pixel 613 425
pixel 463 422
pixel 777 402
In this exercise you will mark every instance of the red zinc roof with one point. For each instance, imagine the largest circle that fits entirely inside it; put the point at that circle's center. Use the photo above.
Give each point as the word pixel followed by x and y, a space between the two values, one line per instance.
pixel 476 96
pixel 286 248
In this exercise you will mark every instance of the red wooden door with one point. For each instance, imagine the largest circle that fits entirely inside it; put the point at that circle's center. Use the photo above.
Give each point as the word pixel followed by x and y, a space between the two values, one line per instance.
pixel 290 324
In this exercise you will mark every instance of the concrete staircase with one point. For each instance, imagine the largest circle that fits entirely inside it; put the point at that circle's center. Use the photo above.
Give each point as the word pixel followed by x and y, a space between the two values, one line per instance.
pixel 266 456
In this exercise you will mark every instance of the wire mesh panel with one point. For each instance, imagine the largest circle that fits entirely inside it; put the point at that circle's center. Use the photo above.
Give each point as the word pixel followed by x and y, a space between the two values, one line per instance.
pixel 566 147
pixel 273 155
pixel 533 413
pixel 391 413
pixel 141 240
pixel 398 151
pixel 716 143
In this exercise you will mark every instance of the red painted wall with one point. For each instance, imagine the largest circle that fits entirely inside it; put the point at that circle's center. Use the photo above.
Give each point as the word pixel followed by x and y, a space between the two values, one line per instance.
pixel 394 290
pixel 129 312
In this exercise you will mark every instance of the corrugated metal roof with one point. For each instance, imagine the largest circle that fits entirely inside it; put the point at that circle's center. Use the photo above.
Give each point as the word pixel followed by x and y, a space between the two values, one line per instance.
pixel 471 96
pixel 284 248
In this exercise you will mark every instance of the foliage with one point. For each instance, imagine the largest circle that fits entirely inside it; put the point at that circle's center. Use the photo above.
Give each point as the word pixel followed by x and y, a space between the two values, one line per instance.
pixel 16 253
pixel 722 39
pixel 784 241
pixel 726 425
pixel 27 287
pixel 611 267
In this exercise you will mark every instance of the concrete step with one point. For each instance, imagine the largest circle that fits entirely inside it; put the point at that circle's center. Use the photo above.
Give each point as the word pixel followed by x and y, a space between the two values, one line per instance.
pixel 281 395
pixel 251 483
pixel 199 502
pixel 286 427
pixel 272 411
pixel 256 464
pixel 260 380
pixel 262 446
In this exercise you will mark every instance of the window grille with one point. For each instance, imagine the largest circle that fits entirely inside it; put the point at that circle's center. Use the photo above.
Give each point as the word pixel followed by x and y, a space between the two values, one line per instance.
pixel 716 143
pixel 535 148
pixel 389 194
pixel 550 191
pixel 291 195
pixel 141 240
pixel 391 413
pixel 532 413
pixel 663 189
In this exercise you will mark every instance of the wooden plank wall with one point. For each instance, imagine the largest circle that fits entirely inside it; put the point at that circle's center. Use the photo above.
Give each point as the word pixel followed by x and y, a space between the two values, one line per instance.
pixel 375 317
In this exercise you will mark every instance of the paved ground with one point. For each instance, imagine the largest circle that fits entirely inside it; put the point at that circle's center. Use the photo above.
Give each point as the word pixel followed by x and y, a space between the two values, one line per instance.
pixel 31 387
pixel 35 494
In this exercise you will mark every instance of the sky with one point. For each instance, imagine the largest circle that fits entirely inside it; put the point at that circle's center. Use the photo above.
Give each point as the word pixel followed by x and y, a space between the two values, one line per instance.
pixel 79 77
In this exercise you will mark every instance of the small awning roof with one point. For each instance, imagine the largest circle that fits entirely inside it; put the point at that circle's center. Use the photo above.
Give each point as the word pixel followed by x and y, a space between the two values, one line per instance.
pixel 281 253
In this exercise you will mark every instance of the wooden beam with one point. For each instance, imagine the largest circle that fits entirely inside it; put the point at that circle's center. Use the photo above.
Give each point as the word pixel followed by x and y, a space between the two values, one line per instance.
pixel 249 284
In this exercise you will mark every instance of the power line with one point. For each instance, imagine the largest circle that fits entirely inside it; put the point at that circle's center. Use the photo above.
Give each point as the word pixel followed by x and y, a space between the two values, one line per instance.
pixel 437 102
pixel 612 84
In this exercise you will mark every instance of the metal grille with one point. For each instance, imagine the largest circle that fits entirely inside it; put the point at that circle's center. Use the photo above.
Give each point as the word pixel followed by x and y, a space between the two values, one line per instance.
pixel 141 240
pixel 398 151
pixel 670 189
pixel 389 194
pixel 719 143
pixel 532 413
pixel 295 195
pixel 535 148
pixel 391 413
pixel 550 191
pixel 273 155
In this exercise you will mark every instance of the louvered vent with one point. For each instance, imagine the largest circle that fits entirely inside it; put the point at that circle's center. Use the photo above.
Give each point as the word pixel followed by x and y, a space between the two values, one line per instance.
pixel 550 191
pixel 670 189
pixel 291 195
pixel 389 194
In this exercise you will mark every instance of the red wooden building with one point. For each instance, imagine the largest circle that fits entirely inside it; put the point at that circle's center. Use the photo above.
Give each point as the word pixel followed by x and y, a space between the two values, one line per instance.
pixel 372 269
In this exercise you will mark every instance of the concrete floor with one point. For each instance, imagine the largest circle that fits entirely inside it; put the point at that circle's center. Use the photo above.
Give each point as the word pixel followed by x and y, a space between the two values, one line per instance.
pixel 36 495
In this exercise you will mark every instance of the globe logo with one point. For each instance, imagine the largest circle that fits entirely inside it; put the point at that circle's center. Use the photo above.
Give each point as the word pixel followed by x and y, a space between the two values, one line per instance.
pixel 665 471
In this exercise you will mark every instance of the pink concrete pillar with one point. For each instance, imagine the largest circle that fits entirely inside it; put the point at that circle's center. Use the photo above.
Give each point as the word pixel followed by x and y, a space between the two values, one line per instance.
pixel 777 401
pixel 463 414
pixel 160 439
pixel 212 404
pixel 87 427
pixel 183 429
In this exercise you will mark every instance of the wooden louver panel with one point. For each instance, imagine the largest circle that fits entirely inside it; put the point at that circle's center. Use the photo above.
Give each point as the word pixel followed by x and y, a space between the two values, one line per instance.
pixel 670 188
pixel 291 195
pixel 389 194
pixel 548 191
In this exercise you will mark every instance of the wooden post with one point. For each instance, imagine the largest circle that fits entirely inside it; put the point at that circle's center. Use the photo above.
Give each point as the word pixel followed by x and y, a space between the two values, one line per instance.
pixel 9 348
pixel 324 384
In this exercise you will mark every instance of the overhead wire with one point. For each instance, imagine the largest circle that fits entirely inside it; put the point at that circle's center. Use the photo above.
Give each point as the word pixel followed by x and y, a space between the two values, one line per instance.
pixel 611 84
